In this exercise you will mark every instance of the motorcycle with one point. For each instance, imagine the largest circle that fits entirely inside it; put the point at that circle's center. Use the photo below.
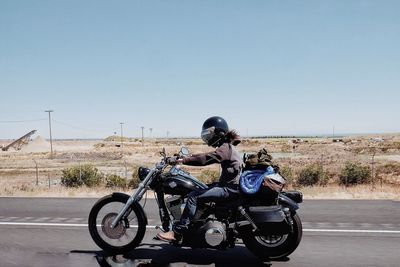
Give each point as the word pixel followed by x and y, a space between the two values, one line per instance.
pixel 267 223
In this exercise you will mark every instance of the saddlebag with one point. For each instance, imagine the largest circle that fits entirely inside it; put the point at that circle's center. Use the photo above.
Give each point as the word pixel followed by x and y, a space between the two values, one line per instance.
pixel 270 219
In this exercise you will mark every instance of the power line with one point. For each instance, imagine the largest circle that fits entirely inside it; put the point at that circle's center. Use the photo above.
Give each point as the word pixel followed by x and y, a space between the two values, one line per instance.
pixel 82 129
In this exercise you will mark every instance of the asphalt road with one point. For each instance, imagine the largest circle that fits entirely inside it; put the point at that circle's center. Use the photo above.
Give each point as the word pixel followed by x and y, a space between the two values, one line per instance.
pixel 53 232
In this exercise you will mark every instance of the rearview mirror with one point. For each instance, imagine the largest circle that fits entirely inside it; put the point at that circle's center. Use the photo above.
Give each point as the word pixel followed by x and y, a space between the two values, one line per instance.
pixel 163 153
pixel 184 151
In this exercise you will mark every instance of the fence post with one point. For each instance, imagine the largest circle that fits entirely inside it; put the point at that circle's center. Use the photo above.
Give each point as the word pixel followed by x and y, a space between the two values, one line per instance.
pixel 48 175
pixel 126 170
pixel 373 169
pixel 37 173
pixel 80 170
pixel 293 151
pixel 322 162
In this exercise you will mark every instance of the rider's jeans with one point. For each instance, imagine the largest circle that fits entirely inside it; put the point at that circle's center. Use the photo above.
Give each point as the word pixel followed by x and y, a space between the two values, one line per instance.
pixel 197 197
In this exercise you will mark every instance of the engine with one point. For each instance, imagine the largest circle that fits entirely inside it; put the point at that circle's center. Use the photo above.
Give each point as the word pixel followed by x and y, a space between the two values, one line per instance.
pixel 175 206
pixel 205 233
pixel 214 233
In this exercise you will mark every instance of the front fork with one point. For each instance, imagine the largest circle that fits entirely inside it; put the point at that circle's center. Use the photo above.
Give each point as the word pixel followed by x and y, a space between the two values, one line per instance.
pixel 163 211
pixel 124 212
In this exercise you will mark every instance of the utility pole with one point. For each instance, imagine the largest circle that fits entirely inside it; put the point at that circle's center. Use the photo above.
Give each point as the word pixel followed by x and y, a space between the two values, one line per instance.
pixel 142 135
pixel 151 131
pixel 122 135
pixel 51 138
pixel 333 132
pixel 167 134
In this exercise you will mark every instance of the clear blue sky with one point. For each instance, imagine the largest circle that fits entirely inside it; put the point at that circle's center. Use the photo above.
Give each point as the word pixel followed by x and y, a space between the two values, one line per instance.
pixel 272 67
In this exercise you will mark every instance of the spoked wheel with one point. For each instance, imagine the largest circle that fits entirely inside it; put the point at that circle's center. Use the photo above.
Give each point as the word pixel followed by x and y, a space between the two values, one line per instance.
pixel 271 241
pixel 124 236
pixel 275 246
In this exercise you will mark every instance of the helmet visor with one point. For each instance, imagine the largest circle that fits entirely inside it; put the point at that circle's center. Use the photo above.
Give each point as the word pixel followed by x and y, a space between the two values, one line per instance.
pixel 207 134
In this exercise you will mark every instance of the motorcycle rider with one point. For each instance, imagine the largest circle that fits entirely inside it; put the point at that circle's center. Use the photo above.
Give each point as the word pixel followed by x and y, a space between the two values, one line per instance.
pixel 215 133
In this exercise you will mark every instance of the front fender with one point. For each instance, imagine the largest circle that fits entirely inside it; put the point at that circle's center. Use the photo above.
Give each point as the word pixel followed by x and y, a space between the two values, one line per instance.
pixel 135 205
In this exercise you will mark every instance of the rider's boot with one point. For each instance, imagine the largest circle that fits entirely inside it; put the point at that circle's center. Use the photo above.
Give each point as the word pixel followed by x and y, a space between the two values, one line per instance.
pixel 167 236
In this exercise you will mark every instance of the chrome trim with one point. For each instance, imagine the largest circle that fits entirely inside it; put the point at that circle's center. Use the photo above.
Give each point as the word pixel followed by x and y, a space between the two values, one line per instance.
pixel 134 198
pixel 214 236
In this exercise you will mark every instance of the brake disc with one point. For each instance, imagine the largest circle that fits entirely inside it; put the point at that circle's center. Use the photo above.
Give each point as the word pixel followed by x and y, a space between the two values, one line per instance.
pixel 113 233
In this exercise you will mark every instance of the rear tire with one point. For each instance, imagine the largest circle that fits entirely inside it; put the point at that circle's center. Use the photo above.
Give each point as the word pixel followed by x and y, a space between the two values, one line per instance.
pixel 108 239
pixel 275 247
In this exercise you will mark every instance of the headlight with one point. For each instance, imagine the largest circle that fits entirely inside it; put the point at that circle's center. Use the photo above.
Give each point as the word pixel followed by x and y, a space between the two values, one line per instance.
pixel 142 172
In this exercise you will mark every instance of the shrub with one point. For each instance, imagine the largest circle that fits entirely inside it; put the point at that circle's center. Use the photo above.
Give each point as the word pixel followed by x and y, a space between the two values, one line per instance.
pixel 71 177
pixel 209 176
pixel 113 181
pixel 312 175
pixel 355 173
pixel 287 173
pixel 81 175
pixel 134 182
pixel 390 168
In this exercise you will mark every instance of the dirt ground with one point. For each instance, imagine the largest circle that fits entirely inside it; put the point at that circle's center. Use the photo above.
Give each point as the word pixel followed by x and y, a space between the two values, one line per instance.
pixel 33 171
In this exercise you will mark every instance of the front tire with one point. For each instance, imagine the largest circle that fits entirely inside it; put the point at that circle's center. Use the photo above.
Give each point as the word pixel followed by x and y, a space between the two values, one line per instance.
pixel 275 246
pixel 126 235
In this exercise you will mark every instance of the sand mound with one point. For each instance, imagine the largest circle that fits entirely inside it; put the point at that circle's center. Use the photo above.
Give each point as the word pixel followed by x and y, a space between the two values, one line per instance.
pixel 37 145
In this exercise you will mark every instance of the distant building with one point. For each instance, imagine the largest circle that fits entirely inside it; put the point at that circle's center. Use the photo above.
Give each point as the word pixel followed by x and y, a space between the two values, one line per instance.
pixel 377 139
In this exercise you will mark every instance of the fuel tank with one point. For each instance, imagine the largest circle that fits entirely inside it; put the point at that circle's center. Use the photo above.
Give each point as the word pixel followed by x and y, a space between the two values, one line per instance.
pixel 179 182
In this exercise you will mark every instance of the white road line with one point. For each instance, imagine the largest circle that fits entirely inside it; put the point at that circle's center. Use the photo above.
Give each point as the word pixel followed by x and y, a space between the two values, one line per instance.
pixel 352 231
pixel 43 224
pixel 153 226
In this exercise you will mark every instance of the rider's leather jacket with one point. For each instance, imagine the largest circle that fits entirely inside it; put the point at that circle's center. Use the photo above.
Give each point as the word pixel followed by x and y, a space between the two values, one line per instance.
pixel 227 156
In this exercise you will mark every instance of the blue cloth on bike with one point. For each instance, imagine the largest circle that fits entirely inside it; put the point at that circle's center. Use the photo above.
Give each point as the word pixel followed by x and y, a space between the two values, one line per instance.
pixel 251 180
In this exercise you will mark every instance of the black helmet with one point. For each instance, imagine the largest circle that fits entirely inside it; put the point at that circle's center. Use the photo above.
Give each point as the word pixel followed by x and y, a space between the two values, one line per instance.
pixel 214 130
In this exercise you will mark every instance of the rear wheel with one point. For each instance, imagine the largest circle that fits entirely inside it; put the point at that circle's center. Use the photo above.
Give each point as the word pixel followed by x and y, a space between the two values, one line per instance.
pixel 123 237
pixel 275 246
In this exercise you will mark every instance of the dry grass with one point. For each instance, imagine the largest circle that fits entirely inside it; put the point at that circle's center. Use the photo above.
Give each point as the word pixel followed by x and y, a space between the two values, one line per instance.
pixel 354 192
pixel 18 173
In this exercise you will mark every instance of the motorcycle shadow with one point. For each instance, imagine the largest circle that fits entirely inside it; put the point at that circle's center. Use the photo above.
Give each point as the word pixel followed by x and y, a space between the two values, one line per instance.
pixel 161 255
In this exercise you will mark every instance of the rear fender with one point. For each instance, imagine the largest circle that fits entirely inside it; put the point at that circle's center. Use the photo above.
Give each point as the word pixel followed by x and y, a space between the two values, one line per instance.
pixel 268 219
pixel 288 203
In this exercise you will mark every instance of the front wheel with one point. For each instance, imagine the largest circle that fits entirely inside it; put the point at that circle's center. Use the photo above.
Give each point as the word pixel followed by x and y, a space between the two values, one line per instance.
pixel 275 246
pixel 123 237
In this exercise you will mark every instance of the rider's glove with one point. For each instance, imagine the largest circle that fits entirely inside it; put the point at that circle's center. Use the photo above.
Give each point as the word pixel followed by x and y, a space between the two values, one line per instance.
pixel 172 161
